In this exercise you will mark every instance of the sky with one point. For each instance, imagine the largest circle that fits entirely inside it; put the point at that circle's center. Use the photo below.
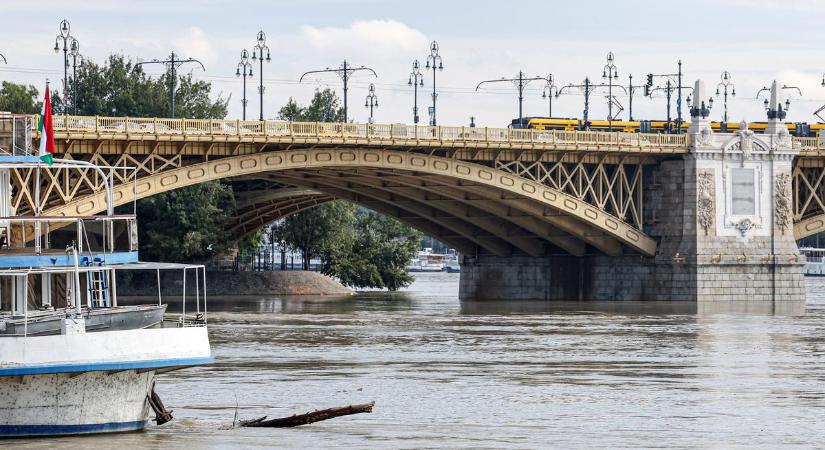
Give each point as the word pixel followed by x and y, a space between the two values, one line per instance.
pixel 757 41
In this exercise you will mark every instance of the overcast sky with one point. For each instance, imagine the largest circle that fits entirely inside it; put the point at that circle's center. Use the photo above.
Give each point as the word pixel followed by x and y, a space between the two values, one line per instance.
pixel 755 40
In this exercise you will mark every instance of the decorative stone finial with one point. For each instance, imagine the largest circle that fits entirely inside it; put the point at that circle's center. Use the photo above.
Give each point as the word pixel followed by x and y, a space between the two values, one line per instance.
pixel 777 110
pixel 699 111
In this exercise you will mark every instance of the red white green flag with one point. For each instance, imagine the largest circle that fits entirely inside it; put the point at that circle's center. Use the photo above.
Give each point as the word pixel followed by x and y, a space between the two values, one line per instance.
pixel 46 129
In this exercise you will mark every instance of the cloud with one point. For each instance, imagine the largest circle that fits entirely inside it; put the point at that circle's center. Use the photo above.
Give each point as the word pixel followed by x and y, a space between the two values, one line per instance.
pixel 193 43
pixel 378 35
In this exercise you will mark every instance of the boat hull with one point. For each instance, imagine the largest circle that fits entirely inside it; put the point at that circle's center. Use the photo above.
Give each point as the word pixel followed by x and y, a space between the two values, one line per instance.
pixel 74 403
pixel 85 383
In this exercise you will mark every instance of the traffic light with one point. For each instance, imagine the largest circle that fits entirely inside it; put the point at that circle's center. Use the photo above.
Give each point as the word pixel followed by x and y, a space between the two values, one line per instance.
pixel 649 84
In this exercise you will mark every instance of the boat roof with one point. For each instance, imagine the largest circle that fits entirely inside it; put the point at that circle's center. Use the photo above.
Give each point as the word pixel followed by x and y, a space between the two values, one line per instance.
pixel 140 265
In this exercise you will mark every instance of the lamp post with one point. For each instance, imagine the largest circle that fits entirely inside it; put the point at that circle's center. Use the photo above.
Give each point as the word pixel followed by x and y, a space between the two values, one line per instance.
pixel 416 80
pixel 610 73
pixel 3 58
pixel 74 52
pixel 587 88
pixel 371 101
pixel 345 72
pixel 258 54
pixel 435 58
pixel 722 88
pixel 548 92
pixel 65 36
pixel 172 64
pixel 520 82
pixel 245 70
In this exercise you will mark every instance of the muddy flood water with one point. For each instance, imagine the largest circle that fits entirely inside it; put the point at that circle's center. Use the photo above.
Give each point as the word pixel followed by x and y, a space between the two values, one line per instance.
pixel 493 375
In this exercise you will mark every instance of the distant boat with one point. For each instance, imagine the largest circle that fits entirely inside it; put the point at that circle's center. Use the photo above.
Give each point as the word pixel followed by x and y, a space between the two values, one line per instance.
pixel 427 261
pixel 815 261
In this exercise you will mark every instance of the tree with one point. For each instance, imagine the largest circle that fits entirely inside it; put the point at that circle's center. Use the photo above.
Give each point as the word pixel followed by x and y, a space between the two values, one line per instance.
pixel 324 107
pixel 186 224
pixel 322 230
pixel 19 99
pixel 381 249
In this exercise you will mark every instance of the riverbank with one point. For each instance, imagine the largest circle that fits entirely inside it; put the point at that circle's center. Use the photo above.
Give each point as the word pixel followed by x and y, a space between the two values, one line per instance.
pixel 226 283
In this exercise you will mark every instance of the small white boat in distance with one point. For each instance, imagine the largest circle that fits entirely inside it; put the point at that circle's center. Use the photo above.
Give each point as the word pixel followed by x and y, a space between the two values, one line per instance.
pixel 72 361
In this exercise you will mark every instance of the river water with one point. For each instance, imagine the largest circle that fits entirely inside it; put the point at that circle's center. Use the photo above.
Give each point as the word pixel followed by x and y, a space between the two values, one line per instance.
pixel 494 375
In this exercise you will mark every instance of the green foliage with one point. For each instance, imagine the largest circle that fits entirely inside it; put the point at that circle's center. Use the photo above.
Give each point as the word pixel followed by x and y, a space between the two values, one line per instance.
pixel 324 107
pixel 381 248
pixel 185 224
pixel 120 87
pixel 318 231
pixel 174 226
pixel 19 99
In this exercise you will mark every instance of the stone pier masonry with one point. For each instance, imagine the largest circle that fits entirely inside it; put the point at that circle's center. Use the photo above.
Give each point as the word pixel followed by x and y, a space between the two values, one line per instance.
pixel 722 217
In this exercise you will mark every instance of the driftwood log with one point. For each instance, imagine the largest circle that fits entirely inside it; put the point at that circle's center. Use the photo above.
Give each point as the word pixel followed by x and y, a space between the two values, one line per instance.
pixel 311 417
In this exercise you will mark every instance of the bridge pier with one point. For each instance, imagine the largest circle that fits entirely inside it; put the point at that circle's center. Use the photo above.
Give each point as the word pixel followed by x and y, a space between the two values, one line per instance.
pixel 722 217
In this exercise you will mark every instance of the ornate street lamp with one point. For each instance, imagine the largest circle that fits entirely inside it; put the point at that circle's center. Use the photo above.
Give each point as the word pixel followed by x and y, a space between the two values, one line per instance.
pixel 550 89
pixel 416 80
pixel 371 100
pixel 722 89
pixel 258 54
pixel 65 36
pixel 74 52
pixel 245 70
pixel 435 58
pixel 610 73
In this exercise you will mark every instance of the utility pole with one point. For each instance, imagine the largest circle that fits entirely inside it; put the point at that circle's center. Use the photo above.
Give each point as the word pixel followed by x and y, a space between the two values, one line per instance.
pixel 371 100
pixel 631 89
pixel 550 89
pixel 672 79
pixel 65 36
pixel 520 82
pixel 345 72
pixel 436 62
pixel 74 52
pixel 586 88
pixel 416 80
pixel 172 64
pixel 258 53
pixel 245 70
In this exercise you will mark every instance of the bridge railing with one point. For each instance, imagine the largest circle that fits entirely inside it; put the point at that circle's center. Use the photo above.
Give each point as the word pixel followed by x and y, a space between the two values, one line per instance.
pixel 395 132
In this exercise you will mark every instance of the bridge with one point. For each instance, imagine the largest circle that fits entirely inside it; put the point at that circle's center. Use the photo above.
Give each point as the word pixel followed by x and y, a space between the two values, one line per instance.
pixel 547 214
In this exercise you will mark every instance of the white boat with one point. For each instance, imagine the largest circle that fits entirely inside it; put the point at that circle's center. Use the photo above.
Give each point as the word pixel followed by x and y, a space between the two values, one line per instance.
pixel 428 261
pixel 814 261
pixel 71 360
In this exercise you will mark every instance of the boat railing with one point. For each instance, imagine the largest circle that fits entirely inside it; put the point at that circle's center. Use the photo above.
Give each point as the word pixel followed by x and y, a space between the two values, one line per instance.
pixel 38 235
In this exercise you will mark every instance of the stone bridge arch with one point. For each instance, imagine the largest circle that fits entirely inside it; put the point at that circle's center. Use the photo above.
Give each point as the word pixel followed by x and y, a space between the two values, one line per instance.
pixel 469 206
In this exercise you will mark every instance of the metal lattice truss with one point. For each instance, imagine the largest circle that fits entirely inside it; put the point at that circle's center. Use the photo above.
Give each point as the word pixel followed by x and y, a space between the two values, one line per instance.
pixel 808 197
pixel 615 188
pixel 568 202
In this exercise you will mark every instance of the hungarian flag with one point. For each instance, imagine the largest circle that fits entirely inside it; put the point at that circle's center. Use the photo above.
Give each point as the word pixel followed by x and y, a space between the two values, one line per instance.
pixel 46 129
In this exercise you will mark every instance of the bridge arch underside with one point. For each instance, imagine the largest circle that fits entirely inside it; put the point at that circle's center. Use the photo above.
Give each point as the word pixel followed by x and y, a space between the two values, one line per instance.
pixel 471 207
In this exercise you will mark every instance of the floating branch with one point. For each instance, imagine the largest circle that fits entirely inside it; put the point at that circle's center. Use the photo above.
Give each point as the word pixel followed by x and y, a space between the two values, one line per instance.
pixel 311 417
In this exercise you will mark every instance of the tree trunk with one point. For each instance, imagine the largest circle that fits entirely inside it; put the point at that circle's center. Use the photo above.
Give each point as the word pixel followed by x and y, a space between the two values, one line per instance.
pixel 311 417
